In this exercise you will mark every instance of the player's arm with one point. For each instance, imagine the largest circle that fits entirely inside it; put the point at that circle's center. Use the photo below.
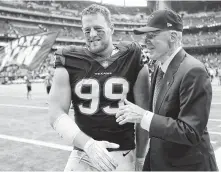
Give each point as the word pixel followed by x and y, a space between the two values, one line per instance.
pixel 59 104
pixel 141 95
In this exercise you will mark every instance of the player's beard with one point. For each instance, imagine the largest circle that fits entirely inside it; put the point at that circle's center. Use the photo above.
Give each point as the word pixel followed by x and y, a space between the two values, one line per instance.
pixel 97 47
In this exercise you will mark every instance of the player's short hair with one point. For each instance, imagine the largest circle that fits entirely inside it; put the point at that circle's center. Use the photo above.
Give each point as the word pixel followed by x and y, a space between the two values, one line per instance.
pixel 95 9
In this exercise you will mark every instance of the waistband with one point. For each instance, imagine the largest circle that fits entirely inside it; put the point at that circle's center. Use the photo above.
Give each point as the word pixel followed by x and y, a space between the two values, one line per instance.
pixel 109 149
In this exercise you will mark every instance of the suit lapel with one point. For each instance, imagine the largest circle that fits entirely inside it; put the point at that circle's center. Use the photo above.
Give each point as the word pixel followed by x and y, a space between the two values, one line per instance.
pixel 169 78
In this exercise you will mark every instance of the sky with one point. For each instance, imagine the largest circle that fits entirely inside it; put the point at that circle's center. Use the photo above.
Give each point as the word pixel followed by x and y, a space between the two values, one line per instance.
pixel 121 2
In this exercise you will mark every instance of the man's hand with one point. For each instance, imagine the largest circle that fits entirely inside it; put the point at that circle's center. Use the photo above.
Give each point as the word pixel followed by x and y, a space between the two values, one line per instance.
pixel 139 164
pixel 129 113
pixel 99 156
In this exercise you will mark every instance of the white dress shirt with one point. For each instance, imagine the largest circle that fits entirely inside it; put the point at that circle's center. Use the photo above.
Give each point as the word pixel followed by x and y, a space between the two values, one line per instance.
pixel 147 118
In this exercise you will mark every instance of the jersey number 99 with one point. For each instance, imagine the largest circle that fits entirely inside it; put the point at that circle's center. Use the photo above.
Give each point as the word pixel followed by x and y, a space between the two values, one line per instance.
pixel 108 92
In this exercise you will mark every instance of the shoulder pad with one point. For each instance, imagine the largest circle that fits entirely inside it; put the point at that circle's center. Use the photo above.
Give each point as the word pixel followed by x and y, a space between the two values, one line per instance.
pixel 72 49
pixel 59 59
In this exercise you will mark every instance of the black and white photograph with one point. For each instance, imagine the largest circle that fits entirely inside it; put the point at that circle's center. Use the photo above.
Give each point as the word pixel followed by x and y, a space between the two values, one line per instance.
pixel 110 85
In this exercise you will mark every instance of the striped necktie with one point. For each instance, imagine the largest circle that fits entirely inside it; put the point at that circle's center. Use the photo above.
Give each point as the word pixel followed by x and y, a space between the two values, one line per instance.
pixel 158 84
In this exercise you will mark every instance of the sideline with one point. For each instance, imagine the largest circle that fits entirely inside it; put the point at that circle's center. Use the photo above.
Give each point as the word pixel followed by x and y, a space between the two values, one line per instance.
pixel 36 142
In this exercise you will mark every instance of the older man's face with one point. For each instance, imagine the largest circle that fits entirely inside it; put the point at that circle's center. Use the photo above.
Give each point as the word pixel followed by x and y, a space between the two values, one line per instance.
pixel 157 44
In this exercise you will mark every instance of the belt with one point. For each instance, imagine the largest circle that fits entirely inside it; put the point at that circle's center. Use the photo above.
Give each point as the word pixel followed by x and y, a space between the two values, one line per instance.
pixel 109 149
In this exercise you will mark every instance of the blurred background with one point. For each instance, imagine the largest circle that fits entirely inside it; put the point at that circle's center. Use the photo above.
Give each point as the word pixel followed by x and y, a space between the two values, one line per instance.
pixel 27 141
pixel 202 27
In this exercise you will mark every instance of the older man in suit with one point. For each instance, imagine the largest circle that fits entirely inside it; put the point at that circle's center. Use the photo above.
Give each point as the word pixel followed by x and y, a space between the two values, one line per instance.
pixel 180 103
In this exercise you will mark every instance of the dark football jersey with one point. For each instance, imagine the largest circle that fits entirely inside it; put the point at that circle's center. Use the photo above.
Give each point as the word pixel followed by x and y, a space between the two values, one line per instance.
pixel 98 87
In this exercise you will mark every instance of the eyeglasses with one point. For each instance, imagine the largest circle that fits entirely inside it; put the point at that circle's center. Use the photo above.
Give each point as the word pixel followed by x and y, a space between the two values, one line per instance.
pixel 151 35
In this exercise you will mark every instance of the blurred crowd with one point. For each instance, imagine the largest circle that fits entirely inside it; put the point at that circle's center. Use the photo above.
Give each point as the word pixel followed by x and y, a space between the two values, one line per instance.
pixel 120 14
pixel 64 17
pixel 14 74
pixel 202 19
pixel 211 60
pixel 202 39
pixel 196 39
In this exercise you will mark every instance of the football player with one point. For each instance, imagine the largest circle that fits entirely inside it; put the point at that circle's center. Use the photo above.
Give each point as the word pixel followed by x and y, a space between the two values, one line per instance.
pixel 96 79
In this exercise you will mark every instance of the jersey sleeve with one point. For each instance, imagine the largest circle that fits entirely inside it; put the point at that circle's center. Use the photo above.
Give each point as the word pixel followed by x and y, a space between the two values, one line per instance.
pixel 59 59
pixel 138 53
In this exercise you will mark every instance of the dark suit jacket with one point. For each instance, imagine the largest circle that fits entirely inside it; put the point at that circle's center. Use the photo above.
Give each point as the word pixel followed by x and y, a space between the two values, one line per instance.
pixel 178 132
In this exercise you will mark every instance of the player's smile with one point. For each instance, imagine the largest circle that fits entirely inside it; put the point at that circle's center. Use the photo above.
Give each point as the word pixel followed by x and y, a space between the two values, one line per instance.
pixel 95 41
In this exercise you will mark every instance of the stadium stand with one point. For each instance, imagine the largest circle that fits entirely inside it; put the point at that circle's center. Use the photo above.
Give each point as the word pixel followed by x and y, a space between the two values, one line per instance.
pixel 201 32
